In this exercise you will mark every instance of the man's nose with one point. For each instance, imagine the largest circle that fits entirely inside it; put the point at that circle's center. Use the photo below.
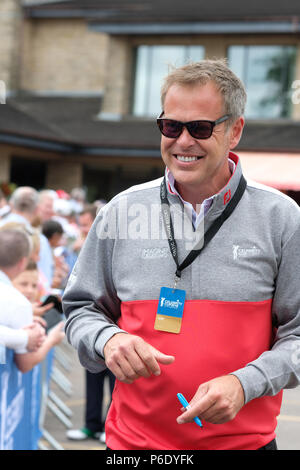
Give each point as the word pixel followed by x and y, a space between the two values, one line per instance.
pixel 185 139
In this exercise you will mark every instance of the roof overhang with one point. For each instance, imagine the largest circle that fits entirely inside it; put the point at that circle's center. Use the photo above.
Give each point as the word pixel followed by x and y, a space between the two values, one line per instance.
pixel 34 143
pixel 236 27
pixel 280 171
pixel 75 148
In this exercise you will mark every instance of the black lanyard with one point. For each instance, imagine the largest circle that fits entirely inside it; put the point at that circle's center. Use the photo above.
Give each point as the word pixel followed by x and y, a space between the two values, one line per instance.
pixel 208 236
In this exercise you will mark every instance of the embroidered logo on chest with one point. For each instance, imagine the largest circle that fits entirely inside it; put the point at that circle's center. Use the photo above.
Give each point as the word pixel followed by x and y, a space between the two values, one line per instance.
pixel 154 253
pixel 240 252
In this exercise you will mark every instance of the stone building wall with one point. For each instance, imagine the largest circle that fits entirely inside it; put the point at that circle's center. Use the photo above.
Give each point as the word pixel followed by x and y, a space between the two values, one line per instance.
pixel 10 40
pixel 63 56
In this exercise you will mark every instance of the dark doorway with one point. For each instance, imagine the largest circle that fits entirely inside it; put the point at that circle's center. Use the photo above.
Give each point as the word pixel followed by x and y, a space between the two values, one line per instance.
pixel 28 172
pixel 105 184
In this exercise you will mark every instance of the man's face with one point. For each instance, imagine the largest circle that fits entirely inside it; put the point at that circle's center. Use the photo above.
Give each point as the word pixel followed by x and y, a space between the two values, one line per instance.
pixel 209 167
pixel 85 223
pixel 45 209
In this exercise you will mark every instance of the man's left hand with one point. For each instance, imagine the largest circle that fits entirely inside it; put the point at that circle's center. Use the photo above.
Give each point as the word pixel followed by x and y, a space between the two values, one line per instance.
pixel 216 401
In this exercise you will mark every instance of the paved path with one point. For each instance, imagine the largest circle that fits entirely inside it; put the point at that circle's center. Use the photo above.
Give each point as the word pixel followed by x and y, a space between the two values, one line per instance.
pixel 288 429
pixel 75 403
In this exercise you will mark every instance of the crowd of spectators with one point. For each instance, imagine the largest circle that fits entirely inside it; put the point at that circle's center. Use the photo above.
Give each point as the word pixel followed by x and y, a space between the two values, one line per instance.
pixel 41 234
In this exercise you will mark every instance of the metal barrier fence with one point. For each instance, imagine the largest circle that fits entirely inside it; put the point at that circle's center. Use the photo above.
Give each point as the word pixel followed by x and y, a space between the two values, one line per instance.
pixel 25 399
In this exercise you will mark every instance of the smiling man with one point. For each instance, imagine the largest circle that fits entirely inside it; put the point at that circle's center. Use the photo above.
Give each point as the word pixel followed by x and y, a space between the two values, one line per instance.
pixel 219 323
pixel 199 166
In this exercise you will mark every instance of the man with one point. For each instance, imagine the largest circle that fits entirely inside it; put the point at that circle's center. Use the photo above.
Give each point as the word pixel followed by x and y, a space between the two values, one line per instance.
pixel 17 330
pixel 24 202
pixel 24 210
pixel 85 220
pixel 45 208
pixel 219 348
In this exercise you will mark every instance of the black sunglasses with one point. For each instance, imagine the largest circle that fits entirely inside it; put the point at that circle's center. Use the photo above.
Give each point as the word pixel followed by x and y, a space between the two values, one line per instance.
pixel 198 129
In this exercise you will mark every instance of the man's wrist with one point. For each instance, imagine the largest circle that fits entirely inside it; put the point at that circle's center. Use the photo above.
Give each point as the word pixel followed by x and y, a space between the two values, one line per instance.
pixel 103 338
pixel 240 385
pixel 252 381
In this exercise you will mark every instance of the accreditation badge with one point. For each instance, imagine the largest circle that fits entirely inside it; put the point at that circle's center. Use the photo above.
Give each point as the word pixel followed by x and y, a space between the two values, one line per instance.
pixel 170 310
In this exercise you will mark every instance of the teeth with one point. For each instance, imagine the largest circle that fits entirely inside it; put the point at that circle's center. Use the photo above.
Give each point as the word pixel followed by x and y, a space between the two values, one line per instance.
pixel 181 158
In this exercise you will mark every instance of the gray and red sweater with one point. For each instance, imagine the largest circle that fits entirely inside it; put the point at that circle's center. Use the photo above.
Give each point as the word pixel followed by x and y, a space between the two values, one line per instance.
pixel 241 315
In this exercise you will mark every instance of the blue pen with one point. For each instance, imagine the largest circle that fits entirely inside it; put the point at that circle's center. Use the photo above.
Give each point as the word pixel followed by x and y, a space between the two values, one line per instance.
pixel 187 406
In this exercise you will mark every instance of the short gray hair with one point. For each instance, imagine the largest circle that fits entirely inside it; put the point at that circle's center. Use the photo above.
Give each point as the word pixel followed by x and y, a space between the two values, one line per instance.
pixel 24 199
pixel 47 194
pixel 14 245
pixel 216 71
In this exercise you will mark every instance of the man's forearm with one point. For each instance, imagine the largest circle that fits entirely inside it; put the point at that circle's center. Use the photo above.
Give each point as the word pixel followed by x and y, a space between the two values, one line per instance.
pixel 13 339
pixel 273 371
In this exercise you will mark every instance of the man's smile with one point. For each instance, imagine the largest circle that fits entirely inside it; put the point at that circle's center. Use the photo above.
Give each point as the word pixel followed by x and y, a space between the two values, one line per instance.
pixel 188 158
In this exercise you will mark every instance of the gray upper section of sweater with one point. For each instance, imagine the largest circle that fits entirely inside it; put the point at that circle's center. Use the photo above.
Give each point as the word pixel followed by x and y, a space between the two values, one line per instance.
pixel 255 256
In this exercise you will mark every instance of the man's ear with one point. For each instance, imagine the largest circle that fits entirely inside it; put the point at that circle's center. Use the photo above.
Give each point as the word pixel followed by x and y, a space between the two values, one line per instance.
pixel 236 131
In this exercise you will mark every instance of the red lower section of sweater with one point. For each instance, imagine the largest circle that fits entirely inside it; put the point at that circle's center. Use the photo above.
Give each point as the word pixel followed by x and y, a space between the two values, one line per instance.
pixel 216 338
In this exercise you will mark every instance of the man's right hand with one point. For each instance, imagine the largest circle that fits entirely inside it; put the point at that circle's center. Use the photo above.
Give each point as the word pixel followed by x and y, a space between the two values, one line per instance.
pixel 36 336
pixel 129 357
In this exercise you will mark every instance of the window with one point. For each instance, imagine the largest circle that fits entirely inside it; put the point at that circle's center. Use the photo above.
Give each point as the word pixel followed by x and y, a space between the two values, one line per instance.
pixel 268 73
pixel 151 67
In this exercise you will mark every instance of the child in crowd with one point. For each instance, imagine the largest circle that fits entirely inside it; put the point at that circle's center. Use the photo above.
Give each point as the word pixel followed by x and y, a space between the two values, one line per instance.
pixel 54 232
pixel 27 283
